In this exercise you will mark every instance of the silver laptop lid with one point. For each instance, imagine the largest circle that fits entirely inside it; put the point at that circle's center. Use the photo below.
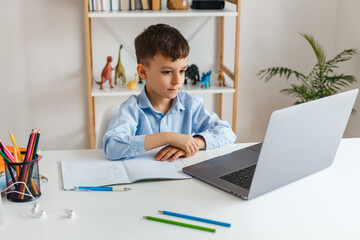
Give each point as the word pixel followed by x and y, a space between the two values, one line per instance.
pixel 301 140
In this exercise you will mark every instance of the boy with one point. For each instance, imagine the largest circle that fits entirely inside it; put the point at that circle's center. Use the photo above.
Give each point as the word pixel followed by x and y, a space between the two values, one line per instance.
pixel 162 115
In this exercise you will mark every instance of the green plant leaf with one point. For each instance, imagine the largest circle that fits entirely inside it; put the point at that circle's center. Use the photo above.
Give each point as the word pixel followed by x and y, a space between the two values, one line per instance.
pixel 322 80
pixel 269 73
pixel 318 50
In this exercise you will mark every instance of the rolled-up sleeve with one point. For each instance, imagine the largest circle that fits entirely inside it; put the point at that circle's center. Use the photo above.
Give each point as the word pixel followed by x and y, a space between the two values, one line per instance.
pixel 216 132
pixel 120 140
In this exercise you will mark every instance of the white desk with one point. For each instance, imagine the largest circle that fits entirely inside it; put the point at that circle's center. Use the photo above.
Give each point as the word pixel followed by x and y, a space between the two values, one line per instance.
pixel 325 205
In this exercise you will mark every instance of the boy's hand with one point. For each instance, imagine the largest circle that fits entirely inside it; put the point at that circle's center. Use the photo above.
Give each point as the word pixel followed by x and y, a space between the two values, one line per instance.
pixel 169 152
pixel 185 142
pixel 172 153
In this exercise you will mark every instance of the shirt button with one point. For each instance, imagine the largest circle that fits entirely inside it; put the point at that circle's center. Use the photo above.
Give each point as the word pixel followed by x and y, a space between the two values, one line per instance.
pixel 137 153
pixel 211 146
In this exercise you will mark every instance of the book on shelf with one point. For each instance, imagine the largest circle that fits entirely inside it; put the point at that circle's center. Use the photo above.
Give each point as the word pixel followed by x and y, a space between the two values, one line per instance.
pixel 156 5
pixel 132 5
pixel 98 5
pixel 94 5
pixel 115 5
pixel 91 6
pixel 145 4
pixel 125 5
pixel 138 5
pixel 101 172
pixel 106 5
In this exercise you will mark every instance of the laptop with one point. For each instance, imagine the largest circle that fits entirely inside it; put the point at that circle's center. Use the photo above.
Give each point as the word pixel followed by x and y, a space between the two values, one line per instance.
pixel 299 140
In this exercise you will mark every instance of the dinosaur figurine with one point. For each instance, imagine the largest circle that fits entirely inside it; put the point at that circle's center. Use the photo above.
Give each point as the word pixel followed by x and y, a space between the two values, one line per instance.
pixel 205 80
pixel 132 84
pixel 106 73
pixel 119 70
pixel 192 73
pixel 221 78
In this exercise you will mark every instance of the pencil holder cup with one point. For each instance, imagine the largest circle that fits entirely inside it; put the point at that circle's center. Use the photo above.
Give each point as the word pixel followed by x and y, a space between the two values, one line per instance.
pixel 20 173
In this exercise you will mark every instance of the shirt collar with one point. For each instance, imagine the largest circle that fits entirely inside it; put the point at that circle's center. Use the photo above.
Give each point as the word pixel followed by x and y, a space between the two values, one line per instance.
pixel 144 101
pixel 177 104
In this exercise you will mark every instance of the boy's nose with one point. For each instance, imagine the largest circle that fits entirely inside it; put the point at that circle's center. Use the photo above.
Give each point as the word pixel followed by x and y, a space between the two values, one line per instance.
pixel 176 79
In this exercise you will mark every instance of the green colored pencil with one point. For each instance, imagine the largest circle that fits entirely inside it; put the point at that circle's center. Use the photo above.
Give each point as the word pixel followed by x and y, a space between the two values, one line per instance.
pixel 5 157
pixel 180 224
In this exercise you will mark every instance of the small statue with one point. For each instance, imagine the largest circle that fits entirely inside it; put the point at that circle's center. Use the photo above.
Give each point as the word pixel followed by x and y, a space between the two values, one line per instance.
pixel 132 84
pixel 119 70
pixel 106 73
pixel 221 78
pixel 192 73
pixel 205 80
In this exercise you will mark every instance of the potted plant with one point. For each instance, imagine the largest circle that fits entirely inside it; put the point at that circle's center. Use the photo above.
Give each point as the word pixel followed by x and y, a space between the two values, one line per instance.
pixel 322 81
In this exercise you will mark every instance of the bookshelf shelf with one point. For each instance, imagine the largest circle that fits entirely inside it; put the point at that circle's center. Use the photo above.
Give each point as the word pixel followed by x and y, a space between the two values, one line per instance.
pixel 118 91
pixel 122 91
pixel 163 13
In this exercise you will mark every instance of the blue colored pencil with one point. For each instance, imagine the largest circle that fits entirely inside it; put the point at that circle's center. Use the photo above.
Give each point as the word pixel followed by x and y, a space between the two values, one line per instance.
pixel 195 218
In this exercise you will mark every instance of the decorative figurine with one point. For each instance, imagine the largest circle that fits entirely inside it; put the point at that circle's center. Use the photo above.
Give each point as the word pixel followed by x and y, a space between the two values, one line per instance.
pixel 221 78
pixel 106 73
pixel 192 73
pixel 205 80
pixel 119 70
pixel 132 84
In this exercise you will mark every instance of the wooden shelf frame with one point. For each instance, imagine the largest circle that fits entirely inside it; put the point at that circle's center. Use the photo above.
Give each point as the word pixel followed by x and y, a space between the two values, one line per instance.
pixel 164 13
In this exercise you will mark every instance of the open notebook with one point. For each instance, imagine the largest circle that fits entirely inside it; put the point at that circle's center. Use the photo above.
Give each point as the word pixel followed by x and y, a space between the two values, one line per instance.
pixel 102 172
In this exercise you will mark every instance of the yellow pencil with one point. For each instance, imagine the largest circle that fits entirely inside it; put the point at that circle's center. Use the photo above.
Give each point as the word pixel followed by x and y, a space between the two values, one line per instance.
pixel 17 167
pixel 17 150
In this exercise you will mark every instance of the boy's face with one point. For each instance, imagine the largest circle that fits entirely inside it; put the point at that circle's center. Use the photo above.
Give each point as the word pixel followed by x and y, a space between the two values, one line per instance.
pixel 164 78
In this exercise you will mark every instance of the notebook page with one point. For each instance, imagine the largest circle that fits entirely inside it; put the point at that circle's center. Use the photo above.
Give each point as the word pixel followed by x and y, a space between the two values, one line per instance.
pixel 92 173
pixel 146 167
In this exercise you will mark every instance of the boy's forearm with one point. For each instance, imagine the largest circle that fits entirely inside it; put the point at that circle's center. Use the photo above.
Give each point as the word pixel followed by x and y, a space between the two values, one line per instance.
pixel 160 139
pixel 157 140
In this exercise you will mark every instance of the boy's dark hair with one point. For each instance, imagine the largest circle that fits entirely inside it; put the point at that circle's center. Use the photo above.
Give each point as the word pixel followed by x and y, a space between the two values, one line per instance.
pixel 163 39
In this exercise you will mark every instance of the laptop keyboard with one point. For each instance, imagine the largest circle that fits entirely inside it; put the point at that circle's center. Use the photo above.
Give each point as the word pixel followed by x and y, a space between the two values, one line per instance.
pixel 242 177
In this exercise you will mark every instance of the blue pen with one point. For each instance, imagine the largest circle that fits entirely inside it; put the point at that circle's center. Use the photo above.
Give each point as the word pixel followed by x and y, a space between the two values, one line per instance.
pixel 111 189
pixel 195 218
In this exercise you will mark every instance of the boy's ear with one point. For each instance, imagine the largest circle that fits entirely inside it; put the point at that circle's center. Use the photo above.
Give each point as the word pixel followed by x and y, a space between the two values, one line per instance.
pixel 141 69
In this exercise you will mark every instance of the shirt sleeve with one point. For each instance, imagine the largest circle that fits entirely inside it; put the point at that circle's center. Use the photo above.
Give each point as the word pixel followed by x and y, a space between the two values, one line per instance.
pixel 208 125
pixel 119 140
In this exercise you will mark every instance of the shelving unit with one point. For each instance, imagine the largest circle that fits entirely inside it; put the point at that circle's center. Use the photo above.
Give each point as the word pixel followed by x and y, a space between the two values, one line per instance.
pixel 117 92
pixel 164 13
pixel 95 92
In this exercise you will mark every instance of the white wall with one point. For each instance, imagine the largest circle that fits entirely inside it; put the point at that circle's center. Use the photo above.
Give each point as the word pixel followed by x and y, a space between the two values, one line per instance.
pixel 269 37
pixel 348 36
pixel 43 72
pixel 43 68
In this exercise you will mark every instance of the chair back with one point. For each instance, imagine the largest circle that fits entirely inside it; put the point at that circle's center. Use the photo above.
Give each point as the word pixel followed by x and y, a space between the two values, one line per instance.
pixel 109 114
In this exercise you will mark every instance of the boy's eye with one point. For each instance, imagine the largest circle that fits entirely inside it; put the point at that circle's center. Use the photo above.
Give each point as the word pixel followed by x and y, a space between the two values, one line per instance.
pixel 182 71
pixel 166 72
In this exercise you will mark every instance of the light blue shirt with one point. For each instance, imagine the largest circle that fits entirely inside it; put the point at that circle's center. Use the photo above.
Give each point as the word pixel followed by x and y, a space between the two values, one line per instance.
pixel 137 118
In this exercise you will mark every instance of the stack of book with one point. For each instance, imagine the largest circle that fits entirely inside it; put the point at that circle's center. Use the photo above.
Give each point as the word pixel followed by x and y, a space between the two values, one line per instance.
pixel 124 5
